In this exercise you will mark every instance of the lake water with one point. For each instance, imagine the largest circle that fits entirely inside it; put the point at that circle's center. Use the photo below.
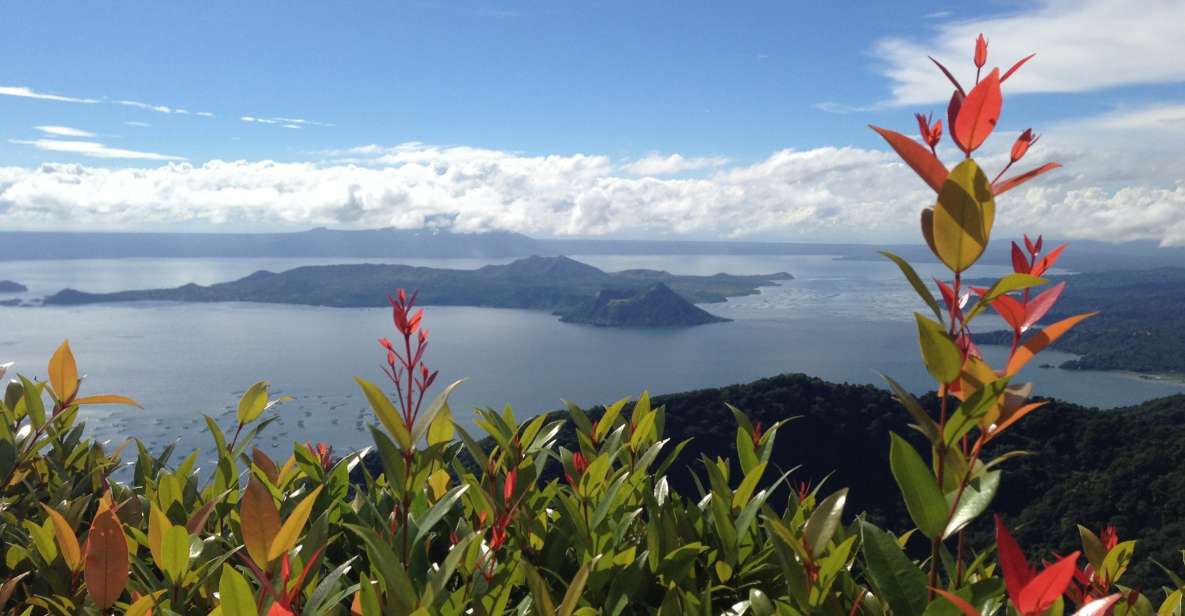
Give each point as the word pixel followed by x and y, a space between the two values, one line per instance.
pixel 839 320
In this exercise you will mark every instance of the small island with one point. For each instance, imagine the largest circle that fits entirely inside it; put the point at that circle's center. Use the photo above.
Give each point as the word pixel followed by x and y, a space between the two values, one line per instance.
pixel 575 291
pixel 9 286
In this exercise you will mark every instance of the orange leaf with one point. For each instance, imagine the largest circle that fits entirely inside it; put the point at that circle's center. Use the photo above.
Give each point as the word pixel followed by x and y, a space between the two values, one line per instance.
pixel 63 372
pixel 1019 64
pixel 259 521
pixel 265 464
pixel 1004 186
pixel 279 610
pixel 106 571
pixel 921 160
pixel 1042 339
pixel 979 113
pixel 67 540
pixel 964 607
pixel 108 399
pixel 1014 417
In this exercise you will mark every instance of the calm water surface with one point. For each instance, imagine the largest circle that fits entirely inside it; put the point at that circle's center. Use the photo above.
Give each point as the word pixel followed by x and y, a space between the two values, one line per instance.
pixel 839 320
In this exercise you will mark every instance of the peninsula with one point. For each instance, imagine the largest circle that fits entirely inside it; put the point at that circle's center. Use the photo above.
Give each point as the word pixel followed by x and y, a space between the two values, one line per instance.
pixel 577 292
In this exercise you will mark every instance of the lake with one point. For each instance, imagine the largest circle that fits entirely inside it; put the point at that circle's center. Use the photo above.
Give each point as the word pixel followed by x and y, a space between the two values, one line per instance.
pixel 842 321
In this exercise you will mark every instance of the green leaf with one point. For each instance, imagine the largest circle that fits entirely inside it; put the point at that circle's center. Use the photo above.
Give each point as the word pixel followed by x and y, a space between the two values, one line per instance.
pixel 34 405
pixel 824 520
pixel 973 409
pixel 386 413
pixel 576 588
pixel 1092 547
pixel 544 604
pixel 923 499
pixel 897 579
pixel 438 511
pixel 916 282
pixel 174 549
pixel 441 429
pixel 943 359
pixel 426 417
pixel 235 594
pixel 963 216
pixel 975 500
pixel 253 402
pixel 924 421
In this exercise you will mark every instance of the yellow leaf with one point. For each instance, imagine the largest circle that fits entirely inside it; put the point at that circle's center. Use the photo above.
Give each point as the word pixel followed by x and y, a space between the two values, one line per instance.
pixel 441 429
pixel 107 399
pixel 67 540
pixel 290 532
pixel 63 372
pixel 963 216
pixel 253 402
pixel 158 524
pixel 259 521
pixel 106 570
pixel 143 606
pixel 438 484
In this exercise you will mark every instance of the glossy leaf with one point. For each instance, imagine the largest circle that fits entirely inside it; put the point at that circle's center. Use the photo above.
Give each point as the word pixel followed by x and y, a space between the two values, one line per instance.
pixel 927 424
pixel 966 608
pixel 979 112
pixel 235 594
pixel 942 358
pixel 1039 306
pixel 292 528
pixel 917 156
pixel 975 500
pixel 252 403
pixel 963 216
pixel 923 499
pixel 63 372
pixel 1038 341
pixel 67 541
pixel 824 521
pixel 1048 586
pixel 259 521
pixel 897 579
pixel 106 571
pixel 107 399
pixel 386 413
pixel 175 552
pixel 1006 185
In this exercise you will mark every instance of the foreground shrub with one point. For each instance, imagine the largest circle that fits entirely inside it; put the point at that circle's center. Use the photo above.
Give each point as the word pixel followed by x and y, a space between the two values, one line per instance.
pixel 511 522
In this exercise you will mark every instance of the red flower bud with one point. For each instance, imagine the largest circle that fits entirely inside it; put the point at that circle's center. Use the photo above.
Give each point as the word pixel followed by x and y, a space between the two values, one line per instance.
pixel 579 463
pixel 981 46
pixel 1022 144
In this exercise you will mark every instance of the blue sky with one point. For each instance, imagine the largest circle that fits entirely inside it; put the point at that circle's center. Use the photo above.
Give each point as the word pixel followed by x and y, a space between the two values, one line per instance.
pixel 725 87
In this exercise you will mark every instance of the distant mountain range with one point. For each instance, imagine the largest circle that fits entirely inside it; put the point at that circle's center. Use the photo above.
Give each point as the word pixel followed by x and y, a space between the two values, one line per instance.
pixel 578 292
pixel 396 243
pixel 9 286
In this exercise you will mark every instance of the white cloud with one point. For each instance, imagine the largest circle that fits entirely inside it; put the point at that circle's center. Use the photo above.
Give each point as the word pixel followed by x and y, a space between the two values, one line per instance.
pixel 91 149
pixel 1123 180
pixel 64 131
pixel 657 164
pixel 24 92
pixel 1081 45
pixel 281 121
pixel 140 124
pixel 147 106
pixel 204 114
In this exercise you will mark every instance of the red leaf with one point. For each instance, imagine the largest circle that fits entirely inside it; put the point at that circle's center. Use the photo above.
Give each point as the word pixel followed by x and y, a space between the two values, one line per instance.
pixel 948 294
pixel 1030 246
pixel 279 610
pixel 1040 305
pixel 981 49
pixel 966 608
pixel 952 79
pixel 980 112
pixel 1016 66
pixel 1020 263
pixel 508 487
pixel 1011 310
pixel 921 160
pixel 1098 607
pixel 1004 186
pixel 1040 267
pixel 1016 570
pixel 952 114
pixel 1048 586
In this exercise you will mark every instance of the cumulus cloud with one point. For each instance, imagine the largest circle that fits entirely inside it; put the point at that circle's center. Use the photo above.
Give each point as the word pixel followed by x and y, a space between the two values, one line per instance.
pixel 1081 45
pixel 24 92
pixel 91 149
pixel 64 131
pixel 657 164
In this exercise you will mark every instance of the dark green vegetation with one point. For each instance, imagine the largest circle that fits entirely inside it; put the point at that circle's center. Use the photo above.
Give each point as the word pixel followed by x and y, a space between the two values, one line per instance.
pixel 9 286
pixel 1140 325
pixel 653 306
pixel 556 284
pixel 1083 460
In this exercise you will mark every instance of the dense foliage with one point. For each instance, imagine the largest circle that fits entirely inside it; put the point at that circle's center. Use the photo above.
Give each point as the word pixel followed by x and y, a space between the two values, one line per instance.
pixel 529 526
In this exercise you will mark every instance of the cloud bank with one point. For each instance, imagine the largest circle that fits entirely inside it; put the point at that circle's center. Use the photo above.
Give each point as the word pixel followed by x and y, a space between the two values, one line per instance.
pixel 828 193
